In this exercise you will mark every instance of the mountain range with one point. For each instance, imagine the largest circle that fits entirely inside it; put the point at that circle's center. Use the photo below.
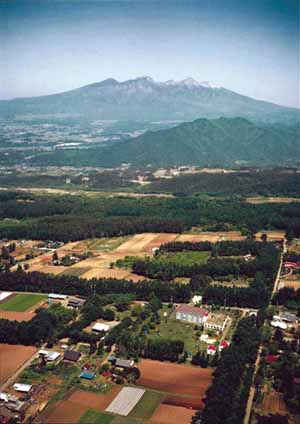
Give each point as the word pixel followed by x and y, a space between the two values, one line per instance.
pixel 203 142
pixel 145 99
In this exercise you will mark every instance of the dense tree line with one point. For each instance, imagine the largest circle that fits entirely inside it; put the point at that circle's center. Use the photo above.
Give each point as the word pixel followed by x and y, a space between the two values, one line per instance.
pixel 73 217
pixel 287 296
pixel 226 399
pixel 69 285
pixel 274 182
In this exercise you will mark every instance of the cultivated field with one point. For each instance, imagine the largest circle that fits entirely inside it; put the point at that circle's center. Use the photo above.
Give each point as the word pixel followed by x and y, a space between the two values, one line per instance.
pixel 12 357
pixel 21 302
pixel 294 284
pixel 258 200
pixel 125 401
pixel 167 414
pixel 212 236
pixel 174 378
pixel 16 316
pixel 273 403
pixel 65 412
pixel 95 401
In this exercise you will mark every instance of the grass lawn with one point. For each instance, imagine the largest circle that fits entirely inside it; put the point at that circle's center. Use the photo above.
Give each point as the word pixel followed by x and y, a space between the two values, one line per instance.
pixel 176 330
pixel 187 258
pixel 105 244
pixel 22 302
pixel 147 405
pixel 94 417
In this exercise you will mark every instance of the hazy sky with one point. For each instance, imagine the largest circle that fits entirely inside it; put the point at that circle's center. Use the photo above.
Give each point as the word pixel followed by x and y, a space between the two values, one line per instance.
pixel 249 46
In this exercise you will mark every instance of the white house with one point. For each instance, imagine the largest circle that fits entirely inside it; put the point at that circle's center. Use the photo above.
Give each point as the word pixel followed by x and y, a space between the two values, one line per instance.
pixel 191 314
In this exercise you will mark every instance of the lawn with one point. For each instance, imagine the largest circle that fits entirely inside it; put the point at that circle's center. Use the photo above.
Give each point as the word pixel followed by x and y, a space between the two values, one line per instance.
pixel 173 329
pixel 105 244
pixel 186 258
pixel 94 417
pixel 147 405
pixel 22 302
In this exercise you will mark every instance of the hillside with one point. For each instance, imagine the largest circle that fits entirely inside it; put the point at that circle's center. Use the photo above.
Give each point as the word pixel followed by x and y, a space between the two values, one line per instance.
pixel 219 142
pixel 145 99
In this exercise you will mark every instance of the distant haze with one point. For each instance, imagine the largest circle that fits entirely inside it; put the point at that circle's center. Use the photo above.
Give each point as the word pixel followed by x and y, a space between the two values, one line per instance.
pixel 251 47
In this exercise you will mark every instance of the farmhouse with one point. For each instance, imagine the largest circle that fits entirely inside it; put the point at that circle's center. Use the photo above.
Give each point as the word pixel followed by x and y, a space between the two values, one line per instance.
pixel 124 363
pixel 216 322
pixel 49 356
pixel 75 302
pixel 100 327
pixel 191 314
pixel 72 355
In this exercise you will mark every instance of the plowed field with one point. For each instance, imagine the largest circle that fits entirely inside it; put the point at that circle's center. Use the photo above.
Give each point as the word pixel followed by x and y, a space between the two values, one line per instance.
pixel 12 357
pixel 174 378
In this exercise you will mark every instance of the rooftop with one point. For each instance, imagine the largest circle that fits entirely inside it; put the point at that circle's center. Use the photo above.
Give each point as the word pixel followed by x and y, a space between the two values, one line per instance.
pixel 193 310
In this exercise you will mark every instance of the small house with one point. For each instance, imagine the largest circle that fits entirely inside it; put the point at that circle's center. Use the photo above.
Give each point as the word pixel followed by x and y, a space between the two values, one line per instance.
pixel 124 363
pixel 24 388
pixel 72 355
pixel 223 345
pixel 75 302
pixel 98 327
pixel 87 375
pixel 211 350
pixel 191 314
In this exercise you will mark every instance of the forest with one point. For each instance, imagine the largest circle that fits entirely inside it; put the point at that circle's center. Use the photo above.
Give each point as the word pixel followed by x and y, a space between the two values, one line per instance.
pixel 74 217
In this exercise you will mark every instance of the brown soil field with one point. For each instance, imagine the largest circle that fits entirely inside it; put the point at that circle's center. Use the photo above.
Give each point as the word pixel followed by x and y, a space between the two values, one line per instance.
pixel 273 403
pixel 65 412
pixel 174 378
pixel 271 235
pixel 293 284
pixel 167 414
pixel 12 357
pixel 137 243
pixel 212 236
pixel 112 273
pixel 258 200
pixel 93 400
pixel 186 402
pixel 17 316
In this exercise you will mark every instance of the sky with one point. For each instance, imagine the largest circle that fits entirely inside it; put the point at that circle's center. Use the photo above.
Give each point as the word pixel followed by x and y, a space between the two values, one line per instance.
pixel 248 46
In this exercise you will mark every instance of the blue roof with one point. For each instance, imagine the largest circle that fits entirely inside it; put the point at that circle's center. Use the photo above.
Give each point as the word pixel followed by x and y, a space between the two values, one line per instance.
pixel 87 375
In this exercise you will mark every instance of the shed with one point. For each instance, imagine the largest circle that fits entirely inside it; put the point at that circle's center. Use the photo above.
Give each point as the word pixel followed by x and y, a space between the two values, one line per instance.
pixel 223 345
pixel 87 375
pixel 22 387
pixel 100 327
pixel 124 363
pixel 71 355
pixel 211 350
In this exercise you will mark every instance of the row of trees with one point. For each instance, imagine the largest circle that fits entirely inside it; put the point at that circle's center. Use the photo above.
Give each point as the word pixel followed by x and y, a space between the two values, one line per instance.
pixel 226 399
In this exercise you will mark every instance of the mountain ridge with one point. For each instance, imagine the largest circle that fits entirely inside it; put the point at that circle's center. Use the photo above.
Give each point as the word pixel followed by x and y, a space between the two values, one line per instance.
pixel 203 142
pixel 145 99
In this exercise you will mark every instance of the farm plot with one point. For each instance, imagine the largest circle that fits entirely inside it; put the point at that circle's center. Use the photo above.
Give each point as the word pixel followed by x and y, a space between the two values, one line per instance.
pixel 17 316
pixel 22 302
pixel 143 243
pixel 294 284
pixel 65 412
pixel 167 414
pixel 211 236
pixel 125 401
pixel 273 403
pixel 271 235
pixel 96 401
pixel 12 357
pixel 174 378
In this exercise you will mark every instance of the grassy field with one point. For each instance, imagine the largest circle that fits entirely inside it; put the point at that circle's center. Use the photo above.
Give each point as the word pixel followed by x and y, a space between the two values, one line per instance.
pixel 185 258
pixel 22 302
pixel 176 330
pixel 147 405
pixel 105 244
pixel 94 417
